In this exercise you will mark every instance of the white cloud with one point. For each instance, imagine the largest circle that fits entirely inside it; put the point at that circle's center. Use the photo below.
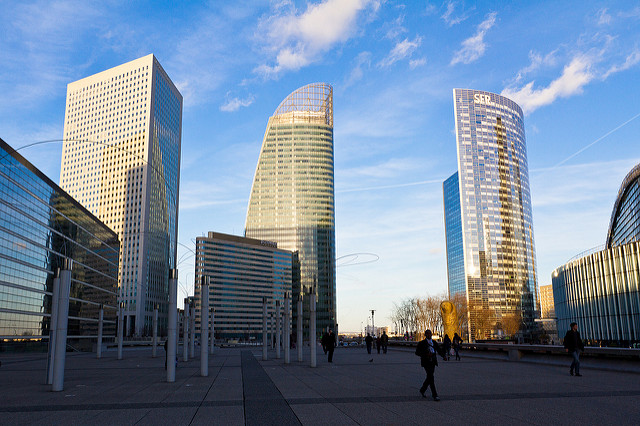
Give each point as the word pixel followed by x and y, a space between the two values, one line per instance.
pixel 297 40
pixel 473 47
pixel 234 104
pixel 603 17
pixel 450 19
pixel 574 77
pixel 537 61
pixel 632 59
pixel 362 60
pixel 414 63
pixel 401 50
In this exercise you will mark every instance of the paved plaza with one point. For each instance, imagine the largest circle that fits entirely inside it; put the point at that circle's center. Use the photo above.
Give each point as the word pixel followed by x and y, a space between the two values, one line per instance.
pixel 243 389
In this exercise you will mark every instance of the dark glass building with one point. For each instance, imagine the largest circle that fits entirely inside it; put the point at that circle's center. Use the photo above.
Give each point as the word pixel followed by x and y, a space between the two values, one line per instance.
pixel 40 224
pixel 453 231
pixel 241 272
pixel 600 290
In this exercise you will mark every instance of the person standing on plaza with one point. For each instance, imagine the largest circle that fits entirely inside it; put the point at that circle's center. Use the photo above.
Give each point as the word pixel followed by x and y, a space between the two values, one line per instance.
pixel 384 341
pixel 456 344
pixel 573 345
pixel 428 350
pixel 369 341
pixel 446 343
pixel 378 343
pixel 331 345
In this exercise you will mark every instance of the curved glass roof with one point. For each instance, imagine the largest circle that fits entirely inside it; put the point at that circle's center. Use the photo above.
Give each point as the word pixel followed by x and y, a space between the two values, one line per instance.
pixel 314 97
pixel 624 225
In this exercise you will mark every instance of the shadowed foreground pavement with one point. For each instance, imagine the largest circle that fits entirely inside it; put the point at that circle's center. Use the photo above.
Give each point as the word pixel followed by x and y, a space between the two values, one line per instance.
pixel 243 389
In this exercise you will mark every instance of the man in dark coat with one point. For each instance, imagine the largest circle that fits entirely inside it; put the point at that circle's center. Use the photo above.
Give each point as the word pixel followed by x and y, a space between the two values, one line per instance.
pixel 384 341
pixel 369 341
pixel 331 344
pixel 573 344
pixel 323 340
pixel 428 351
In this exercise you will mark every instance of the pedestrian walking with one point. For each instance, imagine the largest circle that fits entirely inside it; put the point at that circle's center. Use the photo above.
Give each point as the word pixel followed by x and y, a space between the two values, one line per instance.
pixel 457 344
pixel 369 341
pixel 323 341
pixel 446 343
pixel 428 350
pixel 574 346
pixel 378 344
pixel 384 341
pixel 331 344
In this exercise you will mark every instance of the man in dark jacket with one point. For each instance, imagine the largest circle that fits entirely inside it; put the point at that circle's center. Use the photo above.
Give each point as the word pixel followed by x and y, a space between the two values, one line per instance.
pixel 428 351
pixel 384 341
pixel 331 344
pixel 573 344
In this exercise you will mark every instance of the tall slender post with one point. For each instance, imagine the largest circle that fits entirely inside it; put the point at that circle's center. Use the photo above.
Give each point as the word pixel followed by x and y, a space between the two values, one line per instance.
pixel 300 338
pixel 53 326
pixel 264 329
pixel 100 327
pixel 277 329
pixel 61 332
pixel 213 336
pixel 192 329
pixel 120 329
pixel 313 344
pixel 272 324
pixel 172 327
pixel 154 343
pixel 185 331
pixel 287 328
pixel 204 327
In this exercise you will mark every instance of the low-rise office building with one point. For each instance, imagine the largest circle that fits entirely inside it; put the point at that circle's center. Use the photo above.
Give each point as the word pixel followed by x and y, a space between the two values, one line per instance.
pixel 40 224
pixel 600 291
pixel 242 271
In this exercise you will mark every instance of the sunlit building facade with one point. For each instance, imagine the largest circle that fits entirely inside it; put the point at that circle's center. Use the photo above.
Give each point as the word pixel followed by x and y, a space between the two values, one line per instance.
pixel 600 290
pixel 495 210
pixel 292 197
pixel 40 225
pixel 121 160
pixel 241 272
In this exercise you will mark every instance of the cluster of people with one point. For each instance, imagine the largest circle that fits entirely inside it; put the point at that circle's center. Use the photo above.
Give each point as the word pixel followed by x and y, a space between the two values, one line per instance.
pixel 381 341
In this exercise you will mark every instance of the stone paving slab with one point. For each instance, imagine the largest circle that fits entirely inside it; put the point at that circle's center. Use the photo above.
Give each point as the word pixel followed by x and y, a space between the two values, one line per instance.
pixel 243 389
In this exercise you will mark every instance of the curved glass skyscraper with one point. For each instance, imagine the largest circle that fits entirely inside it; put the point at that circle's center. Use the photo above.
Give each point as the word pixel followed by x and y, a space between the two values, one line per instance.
pixel 496 232
pixel 292 198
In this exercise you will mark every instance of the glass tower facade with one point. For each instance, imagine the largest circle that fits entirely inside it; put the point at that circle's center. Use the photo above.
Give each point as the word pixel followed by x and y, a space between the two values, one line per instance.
pixel 121 160
pixel 40 224
pixel 241 272
pixel 453 231
pixel 292 198
pixel 495 209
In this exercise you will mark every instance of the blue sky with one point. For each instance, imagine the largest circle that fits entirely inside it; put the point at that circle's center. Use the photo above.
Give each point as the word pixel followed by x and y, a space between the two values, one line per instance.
pixel 573 67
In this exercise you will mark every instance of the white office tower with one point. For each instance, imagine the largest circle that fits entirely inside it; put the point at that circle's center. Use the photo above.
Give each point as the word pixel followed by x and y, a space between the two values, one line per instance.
pixel 121 160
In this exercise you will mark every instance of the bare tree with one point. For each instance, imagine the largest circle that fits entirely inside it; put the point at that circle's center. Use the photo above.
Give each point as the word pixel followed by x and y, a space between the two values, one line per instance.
pixel 511 323
pixel 482 320
pixel 462 310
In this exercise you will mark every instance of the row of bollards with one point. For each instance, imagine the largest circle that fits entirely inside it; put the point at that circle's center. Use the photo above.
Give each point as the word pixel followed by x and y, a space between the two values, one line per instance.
pixel 287 328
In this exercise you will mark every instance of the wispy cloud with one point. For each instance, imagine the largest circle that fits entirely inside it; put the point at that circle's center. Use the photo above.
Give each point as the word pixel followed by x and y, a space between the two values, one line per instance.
pixel 574 77
pixel 414 63
pixel 234 104
pixel 362 61
pixel 602 17
pixel 537 61
pixel 631 60
pixel 449 16
pixel 473 48
pixel 297 40
pixel 402 50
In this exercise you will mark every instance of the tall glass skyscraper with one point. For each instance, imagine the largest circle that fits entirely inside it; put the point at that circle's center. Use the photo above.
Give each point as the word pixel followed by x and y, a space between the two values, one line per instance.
pixel 496 229
pixel 292 198
pixel 40 225
pixel 121 160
